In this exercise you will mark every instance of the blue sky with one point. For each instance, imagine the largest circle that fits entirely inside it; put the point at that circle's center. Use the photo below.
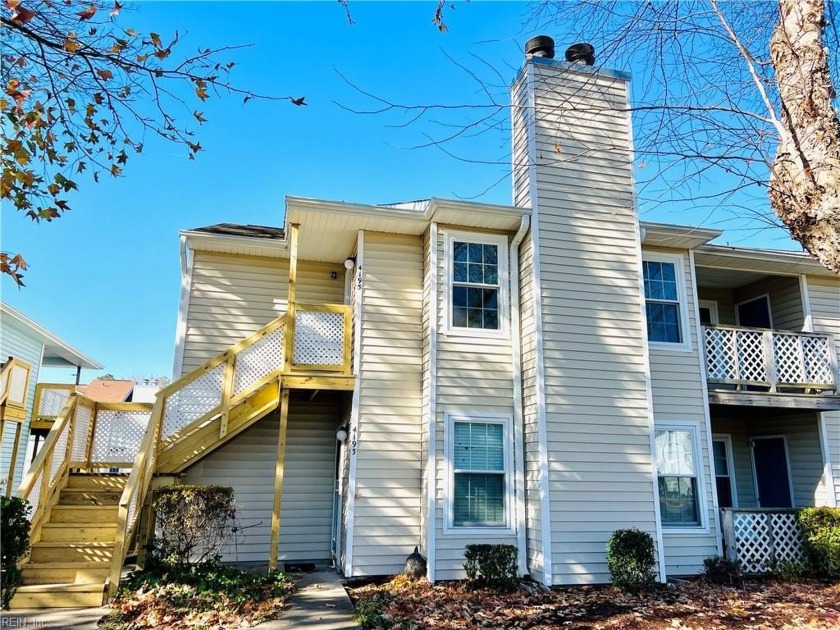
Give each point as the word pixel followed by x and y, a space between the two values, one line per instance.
pixel 105 277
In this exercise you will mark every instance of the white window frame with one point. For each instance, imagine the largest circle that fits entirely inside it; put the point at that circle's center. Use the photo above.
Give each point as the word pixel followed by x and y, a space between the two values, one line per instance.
pixel 712 305
pixel 501 242
pixel 726 438
pixel 682 297
pixel 449 528
pixel 701 464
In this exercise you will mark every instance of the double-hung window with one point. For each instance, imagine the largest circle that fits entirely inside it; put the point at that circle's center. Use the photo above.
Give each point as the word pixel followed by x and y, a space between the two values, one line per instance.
pixel 664 299
pixel 480 472
pixel 477 272
pixel 678 477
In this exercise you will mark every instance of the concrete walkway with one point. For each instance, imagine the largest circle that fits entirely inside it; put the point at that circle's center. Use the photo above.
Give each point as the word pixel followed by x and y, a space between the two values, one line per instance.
pixel 319 603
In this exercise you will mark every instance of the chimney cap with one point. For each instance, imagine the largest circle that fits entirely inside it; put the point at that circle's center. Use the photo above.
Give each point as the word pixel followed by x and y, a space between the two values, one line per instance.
pixel 540 46
pixel 581 52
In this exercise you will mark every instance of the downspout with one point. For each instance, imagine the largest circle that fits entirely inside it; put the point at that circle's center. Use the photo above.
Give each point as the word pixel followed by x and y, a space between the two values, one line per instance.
pixel 518 393
pixel 431 442
pixel 183 308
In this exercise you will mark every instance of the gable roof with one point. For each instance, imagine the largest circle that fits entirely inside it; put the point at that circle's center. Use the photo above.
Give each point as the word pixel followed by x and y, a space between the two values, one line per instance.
pixel 251 231
pixel 57 352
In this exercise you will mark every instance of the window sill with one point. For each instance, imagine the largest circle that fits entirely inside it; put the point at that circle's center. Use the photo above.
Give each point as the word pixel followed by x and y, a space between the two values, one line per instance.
pixel 695 530
pixel 486 532
pixel 671 347
pixel 476 333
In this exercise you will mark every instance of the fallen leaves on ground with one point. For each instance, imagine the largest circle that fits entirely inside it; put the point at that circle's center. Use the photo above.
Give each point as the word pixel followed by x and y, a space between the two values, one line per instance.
pixel 697 605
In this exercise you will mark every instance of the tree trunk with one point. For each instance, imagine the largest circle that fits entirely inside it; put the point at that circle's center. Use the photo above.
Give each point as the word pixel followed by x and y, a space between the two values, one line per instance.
pixel 805 178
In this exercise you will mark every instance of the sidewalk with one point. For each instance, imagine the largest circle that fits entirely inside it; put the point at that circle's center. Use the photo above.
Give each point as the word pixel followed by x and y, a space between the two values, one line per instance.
pixel 319 603
pixel 52 618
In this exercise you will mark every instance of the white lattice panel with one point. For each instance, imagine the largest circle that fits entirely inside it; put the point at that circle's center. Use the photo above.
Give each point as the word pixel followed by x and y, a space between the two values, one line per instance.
pixel 752 362
pixel 258 360
pixel 80 432
pixel 720 359
pixel 766 537
pixel 787 537
pixel 52 401
pixel 118 435
pixel 815 351
pixel 752 541
pixel 17 385
pixel 4 378
pixel 319 338
pixel 34 497
pixel 195 399
pixel 787 352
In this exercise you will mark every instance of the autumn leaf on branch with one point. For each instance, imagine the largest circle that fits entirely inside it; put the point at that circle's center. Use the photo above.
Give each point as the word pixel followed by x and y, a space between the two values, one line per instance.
pixel 80 91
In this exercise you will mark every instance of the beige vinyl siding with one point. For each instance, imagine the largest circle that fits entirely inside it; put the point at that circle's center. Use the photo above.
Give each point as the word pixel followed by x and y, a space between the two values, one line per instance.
pixel 600 475
pixel 247 464
pixel 388 464
pixel 785 300
pixel 824 295
pixel 801 432
pixel 232 297
pixel 15 341
pixel 677 379
pixel 520 159
pixel 474 376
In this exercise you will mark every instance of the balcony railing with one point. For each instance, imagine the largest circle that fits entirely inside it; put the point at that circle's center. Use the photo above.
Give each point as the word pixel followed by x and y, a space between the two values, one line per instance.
pixel 770 358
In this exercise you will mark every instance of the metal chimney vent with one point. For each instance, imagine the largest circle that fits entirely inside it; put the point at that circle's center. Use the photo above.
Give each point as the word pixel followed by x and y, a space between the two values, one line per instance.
pixel 581 52
pixel 540 46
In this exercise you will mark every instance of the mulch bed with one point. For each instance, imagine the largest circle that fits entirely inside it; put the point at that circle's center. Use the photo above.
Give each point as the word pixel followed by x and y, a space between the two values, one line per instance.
pixel 697 605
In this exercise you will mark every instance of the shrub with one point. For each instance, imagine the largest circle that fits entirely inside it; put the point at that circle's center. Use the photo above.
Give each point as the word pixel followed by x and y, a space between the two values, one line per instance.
pixel 193 524
pixel 14 545
pixel 821 540
pixel 491 566
pixel 724 572
pixel 370 614
pixel 630 557
pixel 787 570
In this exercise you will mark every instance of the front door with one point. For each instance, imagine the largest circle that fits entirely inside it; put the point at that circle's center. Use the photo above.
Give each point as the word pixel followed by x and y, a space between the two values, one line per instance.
pixel 772 477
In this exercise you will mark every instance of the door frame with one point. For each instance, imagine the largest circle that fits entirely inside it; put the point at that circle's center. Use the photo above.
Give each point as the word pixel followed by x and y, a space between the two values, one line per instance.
pixel 712 305
pixel 787 463
pixel 726 438
pixel 765 297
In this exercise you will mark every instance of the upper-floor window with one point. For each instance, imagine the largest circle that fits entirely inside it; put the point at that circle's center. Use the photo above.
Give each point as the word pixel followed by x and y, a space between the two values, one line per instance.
pixel 476 277
pixel 664 299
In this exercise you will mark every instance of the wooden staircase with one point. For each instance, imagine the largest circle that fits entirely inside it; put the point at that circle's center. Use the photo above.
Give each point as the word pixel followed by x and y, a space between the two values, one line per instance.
pixel 69 565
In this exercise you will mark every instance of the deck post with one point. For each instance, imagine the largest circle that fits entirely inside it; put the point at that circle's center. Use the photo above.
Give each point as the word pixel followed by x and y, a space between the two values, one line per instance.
pixel 289 335
pixel 279 471
pixel 729 535
pixel 10 480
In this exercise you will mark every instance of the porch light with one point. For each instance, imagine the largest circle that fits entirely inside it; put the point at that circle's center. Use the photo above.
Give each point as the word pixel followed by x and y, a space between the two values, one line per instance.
pixel 341 433
pixel 350 262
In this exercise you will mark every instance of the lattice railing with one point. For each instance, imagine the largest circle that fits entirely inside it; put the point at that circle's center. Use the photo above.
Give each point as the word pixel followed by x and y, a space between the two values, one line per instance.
pixel 49 401
pixel 759 538
pixel 322 338
pixel 14 390
pixel 771 359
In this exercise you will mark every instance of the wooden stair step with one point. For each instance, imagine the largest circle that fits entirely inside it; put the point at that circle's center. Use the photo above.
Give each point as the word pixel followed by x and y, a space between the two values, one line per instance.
pixel 83 514
pixel 65 572
pixel 97 481
pixel 78 532
pixel 71 552
pixel 84 496
pixel 61 595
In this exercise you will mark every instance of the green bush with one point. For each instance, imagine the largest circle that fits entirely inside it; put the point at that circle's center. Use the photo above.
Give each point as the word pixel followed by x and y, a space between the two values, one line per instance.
pixel 821 540
pixel 14 545
pixel 724 572
pixel 193 524
pixel 631 560
pixel 787 570
pixel 370 614
pixel 491 566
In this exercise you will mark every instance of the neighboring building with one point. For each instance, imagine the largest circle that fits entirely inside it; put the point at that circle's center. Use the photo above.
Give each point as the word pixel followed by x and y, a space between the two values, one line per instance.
pixel 24 339
pixel 438 373
pixel 107 390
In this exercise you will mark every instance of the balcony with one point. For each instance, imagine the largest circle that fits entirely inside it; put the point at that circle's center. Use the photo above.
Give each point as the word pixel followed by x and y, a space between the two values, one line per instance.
pixel 770 367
